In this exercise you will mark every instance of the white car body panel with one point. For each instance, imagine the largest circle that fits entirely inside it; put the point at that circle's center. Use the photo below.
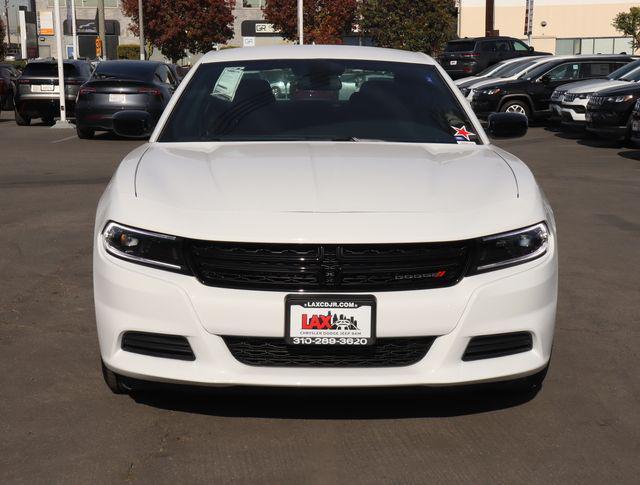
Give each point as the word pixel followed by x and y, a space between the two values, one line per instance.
pixel 323 193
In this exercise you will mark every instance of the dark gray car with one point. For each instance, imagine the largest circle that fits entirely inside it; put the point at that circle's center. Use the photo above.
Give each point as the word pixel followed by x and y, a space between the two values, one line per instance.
pixel 119 86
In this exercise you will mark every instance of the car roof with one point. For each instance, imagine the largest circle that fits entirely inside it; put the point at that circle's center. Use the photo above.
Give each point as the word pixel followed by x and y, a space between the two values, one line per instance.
pixel 469 39
pixel 131 62
pixel 316 52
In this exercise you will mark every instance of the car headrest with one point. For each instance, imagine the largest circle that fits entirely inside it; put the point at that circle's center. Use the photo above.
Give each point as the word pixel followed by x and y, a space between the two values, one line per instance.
pixel 254 90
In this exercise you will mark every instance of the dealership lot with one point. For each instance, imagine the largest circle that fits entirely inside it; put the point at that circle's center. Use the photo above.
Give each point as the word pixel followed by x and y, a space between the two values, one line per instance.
pixel 60 424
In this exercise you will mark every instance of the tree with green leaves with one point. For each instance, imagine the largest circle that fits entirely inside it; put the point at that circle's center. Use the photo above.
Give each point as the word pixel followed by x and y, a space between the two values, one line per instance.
pixel 628 23
pixel 182 26
pixel 416 25
pixel 325 21
pixel 3 47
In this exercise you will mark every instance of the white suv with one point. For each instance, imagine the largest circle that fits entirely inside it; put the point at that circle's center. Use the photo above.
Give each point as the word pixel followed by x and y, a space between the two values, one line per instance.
pixel 569 101
pixel 313 240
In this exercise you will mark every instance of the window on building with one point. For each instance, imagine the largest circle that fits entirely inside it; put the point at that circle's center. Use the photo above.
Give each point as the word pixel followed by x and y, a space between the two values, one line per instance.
pixel 253 3
pixel 594 45
pixel 86 3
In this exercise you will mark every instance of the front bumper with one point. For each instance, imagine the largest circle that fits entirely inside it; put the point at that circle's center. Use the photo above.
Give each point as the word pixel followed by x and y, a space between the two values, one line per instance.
pixel 129 297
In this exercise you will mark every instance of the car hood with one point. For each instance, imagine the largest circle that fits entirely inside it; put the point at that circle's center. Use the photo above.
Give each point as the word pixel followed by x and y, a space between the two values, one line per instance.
pixel 620 89
pixel 591 85
pixel 463 82
pixel 505 84
pixel 324 177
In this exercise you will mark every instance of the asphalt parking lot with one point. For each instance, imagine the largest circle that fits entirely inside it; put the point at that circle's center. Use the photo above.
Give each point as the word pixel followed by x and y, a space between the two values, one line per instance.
pixel 60 424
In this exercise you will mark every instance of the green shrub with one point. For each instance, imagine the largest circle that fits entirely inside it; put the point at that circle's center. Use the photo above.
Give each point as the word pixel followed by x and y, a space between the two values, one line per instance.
pixel 129 51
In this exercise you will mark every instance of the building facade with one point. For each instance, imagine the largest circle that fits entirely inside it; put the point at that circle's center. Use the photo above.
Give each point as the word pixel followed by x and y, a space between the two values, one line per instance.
pixel 249 28
pixel 559 26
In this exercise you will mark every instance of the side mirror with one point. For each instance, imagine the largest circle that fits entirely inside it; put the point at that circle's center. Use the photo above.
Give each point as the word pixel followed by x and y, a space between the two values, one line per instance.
pixel 531 48
pixel 507 125
pixel 544 79
pixel 132 124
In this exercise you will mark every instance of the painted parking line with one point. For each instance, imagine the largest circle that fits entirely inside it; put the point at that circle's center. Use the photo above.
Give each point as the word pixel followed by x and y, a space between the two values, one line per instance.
pixel 65 139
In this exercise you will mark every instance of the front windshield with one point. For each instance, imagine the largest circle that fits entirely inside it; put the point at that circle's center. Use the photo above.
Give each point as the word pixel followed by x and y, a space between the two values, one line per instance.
pixel 318 99
pixel 537 71
pixel 519 67
pixel 628 72
pixel 494 68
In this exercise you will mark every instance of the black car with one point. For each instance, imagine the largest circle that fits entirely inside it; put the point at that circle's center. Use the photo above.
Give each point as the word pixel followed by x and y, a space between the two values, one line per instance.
pixel 635 123
pixel 8 81
pixel 530 94
pixel 123 85
pixel 609 111
pixel 469 56
pixel 38 95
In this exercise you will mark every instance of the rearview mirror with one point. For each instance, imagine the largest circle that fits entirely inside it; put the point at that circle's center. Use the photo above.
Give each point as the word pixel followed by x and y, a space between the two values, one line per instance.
pixel 507 125
pixel 132 124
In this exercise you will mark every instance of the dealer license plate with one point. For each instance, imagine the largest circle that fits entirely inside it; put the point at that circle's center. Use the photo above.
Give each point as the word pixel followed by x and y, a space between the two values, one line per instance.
pixel 330 320
pixel 453 63
pixel 117 98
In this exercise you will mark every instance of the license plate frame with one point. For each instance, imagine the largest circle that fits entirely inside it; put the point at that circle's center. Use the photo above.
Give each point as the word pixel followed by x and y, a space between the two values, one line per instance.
pixel 353 308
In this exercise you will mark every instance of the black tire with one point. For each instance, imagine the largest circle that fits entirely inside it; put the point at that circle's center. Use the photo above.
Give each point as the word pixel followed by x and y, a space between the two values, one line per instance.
pixel 84 133
pixel 516 106
pixel 22 120
pixel 114 381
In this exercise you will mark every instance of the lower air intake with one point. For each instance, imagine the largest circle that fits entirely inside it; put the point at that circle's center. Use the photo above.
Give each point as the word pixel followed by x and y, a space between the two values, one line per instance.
pixel 273 352
pixel 158 345
pixel 490 346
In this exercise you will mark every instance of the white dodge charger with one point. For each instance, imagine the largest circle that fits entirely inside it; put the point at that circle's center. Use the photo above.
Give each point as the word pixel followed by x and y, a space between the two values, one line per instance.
pixel 322 216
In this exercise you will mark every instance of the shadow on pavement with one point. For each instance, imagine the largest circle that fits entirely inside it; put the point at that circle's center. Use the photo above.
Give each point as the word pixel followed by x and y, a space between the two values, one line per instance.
pixel 331 403
pixel 630 154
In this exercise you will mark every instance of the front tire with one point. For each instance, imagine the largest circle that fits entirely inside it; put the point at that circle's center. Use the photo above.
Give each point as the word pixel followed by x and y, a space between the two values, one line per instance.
pixel 22 120
pixel 516 106
pixel 114 381
pixel 84 133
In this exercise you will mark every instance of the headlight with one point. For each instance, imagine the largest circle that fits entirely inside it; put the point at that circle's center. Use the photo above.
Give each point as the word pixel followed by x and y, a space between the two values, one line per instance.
pixel 144 247
pixel 491 91
pixel 620 99
pixel 465 91
pixel 511 248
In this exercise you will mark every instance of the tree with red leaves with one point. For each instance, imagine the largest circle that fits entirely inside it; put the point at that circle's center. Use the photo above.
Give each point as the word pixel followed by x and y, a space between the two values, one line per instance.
pixel 325 21
pixel 179 26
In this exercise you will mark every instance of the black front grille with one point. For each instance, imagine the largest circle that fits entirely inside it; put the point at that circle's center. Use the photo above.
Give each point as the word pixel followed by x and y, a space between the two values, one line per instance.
pixel 158 345
pixel 310 267
pixel 499 345
pixel 273 352
pixel 595 101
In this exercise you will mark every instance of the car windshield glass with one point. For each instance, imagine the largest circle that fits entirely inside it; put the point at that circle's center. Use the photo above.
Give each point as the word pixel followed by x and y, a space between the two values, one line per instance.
pixel 139 71
pixel 48 69
pixel 516 68
pixel 463 46
pixel 628 72
pixel 321 99
pixel 493 69
pixel 539 70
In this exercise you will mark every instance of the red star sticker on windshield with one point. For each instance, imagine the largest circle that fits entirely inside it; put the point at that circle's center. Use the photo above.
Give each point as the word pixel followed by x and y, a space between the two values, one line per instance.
pixel 462 132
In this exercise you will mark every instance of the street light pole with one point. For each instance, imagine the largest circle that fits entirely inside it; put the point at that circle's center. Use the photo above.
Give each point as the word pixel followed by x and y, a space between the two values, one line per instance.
pixel 58 28
pixel 301 22
pixel 6 14
pixel 141 27
pixel 74 29
pixel 101 28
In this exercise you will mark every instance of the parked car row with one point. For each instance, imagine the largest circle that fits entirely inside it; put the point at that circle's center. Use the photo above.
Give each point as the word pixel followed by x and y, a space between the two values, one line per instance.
pixel 94 94
pixel 598 94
